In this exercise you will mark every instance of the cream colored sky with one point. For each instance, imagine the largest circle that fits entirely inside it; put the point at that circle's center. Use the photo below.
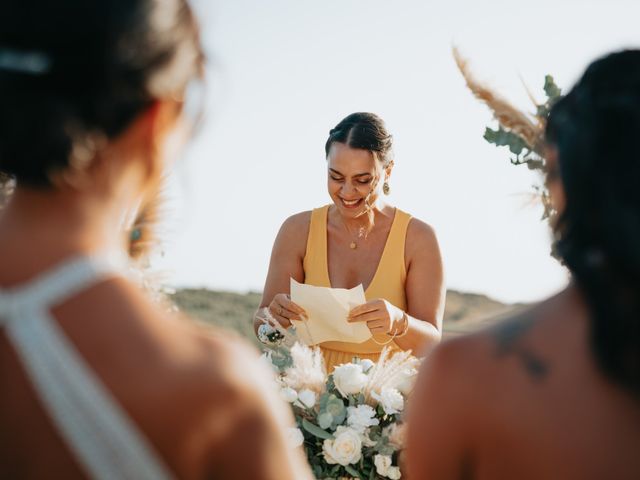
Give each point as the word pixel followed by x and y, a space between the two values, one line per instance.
pixel 283 72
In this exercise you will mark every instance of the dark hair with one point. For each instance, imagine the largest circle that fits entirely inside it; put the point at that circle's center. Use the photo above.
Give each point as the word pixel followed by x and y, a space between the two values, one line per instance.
pixel 595 130
pixel 75 71
pixel 363 130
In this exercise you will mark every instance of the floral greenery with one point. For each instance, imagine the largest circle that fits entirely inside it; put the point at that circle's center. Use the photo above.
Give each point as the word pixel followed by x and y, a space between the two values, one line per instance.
pixel 350 421
pixel 530 155
pixel 522 133
pixel 525 153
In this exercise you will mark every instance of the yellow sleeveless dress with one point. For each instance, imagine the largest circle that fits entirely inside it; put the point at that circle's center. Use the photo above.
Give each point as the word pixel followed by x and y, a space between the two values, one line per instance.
pixel 388 282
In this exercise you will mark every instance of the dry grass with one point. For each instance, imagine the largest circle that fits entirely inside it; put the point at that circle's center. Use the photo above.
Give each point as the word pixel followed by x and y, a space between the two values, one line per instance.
pixel 464 312
pixel 509 117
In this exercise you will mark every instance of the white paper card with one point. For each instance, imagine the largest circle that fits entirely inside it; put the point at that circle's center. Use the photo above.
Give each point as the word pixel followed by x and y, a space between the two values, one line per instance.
pixel 327 309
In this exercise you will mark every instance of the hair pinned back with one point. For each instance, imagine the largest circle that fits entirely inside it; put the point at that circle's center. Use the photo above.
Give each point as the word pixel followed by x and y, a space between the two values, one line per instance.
pixel 73 71
pixel 366 131
pixel 595 130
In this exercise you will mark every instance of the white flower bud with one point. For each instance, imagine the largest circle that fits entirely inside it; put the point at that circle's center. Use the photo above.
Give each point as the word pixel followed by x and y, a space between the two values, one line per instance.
pixel 288 394
pixel 307 398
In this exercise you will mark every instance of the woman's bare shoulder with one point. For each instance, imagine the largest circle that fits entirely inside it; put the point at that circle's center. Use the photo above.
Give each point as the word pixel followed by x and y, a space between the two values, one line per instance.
pixel 152 339
pixel 297 224
pixel 421 242
pixel 419 231
pixel 480 364
pixel 293 234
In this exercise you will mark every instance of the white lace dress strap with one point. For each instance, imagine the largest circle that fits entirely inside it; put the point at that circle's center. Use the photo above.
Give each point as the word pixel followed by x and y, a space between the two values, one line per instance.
pixel 98 431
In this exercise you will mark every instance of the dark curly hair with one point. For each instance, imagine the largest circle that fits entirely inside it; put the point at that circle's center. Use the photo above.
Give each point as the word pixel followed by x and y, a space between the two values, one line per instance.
pixel 363 130
pixel 595 130
pixel 72 71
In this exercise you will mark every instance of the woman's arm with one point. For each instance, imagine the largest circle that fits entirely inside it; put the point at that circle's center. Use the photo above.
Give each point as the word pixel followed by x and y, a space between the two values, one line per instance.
pixel 286 261
pixel 424 288
pixel 420 326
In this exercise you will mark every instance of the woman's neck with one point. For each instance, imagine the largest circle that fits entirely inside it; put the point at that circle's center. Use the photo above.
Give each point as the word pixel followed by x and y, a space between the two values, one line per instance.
pixel 55 224
pixel 362 221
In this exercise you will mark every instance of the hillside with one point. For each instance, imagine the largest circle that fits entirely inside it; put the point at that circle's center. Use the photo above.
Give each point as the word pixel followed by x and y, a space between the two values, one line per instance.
pixel 464 312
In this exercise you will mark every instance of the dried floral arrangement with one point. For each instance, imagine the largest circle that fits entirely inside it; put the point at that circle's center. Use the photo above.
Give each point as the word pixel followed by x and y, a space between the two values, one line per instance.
pixel 522 133
pixel 350 421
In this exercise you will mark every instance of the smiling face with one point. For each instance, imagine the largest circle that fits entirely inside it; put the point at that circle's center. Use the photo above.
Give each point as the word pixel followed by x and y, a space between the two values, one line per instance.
pixel 354 179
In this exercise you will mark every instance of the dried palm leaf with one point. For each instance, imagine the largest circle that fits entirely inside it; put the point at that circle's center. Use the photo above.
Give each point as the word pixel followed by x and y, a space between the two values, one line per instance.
pixel 509 117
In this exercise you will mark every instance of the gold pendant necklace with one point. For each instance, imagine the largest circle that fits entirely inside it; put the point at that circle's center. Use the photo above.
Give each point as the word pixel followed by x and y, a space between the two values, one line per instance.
pixel 353 245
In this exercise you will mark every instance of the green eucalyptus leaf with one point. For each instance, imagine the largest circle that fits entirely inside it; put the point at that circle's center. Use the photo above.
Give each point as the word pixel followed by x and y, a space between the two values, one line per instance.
pixel 325 420
pixel 503 138
pixel 335 407
pixel 352 471
pixel 331 386
pixel 316 430
pixel 324 399
pixel 339 419
pixel 550 88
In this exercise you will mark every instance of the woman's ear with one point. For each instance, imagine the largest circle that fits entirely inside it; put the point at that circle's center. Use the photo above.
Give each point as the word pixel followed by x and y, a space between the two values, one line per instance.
pixel 152 128
pixel 388 169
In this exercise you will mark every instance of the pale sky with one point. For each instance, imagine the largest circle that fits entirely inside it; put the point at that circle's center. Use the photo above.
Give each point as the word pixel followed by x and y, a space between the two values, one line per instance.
pixel 284 72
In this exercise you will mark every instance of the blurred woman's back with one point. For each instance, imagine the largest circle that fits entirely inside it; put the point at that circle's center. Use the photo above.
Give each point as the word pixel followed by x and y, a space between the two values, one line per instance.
pixel 555 392
pixel 96 379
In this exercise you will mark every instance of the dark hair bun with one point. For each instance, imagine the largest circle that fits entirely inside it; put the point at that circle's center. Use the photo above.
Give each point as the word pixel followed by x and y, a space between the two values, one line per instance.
pixel 595 130
pixel 73 70
pixel 363 130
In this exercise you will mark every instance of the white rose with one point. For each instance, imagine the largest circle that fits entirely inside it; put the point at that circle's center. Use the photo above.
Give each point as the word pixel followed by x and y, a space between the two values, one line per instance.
pixel 394 473
pixel 361 417
pixel 307 398
pixel 391 400
pixel 406 381
pixel 294 436
pixel 366 365
pixel 382 463
pixel 288 394
pixel 349 378
pixel 344 449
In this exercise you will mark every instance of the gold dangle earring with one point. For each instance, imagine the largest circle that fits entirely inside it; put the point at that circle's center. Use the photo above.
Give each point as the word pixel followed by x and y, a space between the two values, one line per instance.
pixel 385 188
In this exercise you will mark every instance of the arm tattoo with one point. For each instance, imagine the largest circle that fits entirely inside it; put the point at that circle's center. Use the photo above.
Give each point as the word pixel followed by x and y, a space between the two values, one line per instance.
pixel 508 338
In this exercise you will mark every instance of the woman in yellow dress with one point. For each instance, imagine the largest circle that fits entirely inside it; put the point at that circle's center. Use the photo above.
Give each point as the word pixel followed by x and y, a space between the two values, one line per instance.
pixel 359 239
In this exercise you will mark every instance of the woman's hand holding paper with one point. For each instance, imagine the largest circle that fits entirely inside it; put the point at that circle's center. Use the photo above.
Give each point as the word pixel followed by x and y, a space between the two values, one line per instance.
pixel 380 316
pixel 284 310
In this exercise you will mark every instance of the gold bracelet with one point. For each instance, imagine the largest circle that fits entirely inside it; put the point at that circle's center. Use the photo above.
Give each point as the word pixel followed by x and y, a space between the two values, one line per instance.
pixel 384 343
pixel 405 330
pixel 395 335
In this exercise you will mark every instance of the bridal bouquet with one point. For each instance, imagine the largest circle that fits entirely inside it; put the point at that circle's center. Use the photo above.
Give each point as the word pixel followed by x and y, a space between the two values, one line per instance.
pixel 350 421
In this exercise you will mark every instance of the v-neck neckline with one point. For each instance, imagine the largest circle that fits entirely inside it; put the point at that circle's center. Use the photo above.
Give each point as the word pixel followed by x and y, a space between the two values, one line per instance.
pixel 382 257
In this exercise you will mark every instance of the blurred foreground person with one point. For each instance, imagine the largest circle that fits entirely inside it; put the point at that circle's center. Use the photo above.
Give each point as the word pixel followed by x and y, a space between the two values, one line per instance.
pixel 555 392
pixel 96 380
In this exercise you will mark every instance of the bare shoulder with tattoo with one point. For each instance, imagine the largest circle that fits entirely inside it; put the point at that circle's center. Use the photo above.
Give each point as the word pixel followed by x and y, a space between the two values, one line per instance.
pixel 509 401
